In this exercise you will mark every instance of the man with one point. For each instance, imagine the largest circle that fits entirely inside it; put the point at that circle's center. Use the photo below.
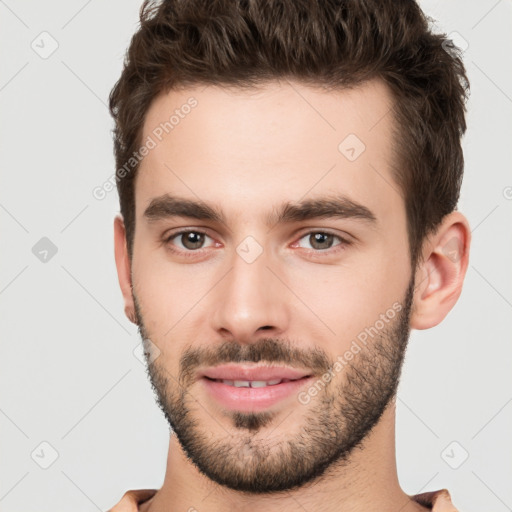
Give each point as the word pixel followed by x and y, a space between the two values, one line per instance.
pixel 288 175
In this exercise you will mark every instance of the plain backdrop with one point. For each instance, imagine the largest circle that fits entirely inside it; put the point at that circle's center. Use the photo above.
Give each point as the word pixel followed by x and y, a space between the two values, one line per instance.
pixel 79 423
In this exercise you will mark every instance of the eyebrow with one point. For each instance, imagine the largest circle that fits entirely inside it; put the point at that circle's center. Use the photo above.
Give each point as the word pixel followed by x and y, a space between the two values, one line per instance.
pixel 332 206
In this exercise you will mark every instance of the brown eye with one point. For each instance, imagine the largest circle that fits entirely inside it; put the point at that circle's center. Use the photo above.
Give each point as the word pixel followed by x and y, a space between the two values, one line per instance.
pixel 192 240
pixel 320 241
pixel 188 240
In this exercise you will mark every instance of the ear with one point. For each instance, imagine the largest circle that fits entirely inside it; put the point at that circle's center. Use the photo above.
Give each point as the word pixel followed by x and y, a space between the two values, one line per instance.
pixel 123 267
pixel 440 276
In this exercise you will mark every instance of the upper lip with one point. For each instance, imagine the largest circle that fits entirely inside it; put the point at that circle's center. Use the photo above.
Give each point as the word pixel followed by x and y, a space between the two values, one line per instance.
pixel 263 373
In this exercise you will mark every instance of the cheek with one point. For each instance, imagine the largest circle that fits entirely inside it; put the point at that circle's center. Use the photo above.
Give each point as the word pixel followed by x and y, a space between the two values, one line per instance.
pixel 338 307
pixel 339 302
pixel 155 288
pixel 172 297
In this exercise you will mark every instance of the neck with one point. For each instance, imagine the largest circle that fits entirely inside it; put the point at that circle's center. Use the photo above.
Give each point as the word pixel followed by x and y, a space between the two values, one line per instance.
pixel 367 481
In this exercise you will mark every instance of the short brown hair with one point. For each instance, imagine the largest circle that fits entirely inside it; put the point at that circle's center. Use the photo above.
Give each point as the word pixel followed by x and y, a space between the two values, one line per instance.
pixel 330 43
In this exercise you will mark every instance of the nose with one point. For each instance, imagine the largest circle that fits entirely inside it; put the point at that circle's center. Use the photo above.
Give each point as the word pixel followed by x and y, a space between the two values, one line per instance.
pixel 250 302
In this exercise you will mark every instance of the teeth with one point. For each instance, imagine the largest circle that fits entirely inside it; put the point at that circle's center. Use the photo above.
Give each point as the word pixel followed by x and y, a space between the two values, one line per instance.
pixel 253 383
pixel 258 384
pixel 242 384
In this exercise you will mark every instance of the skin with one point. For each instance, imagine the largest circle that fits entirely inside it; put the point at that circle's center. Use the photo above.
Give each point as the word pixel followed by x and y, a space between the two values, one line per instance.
pixel 248 152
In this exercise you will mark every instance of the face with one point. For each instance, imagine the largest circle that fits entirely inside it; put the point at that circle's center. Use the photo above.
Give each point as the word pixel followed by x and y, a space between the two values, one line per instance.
pixel 271 276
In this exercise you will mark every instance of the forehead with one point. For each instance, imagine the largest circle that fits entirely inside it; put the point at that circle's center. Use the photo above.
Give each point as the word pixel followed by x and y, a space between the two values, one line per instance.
pixel 246 147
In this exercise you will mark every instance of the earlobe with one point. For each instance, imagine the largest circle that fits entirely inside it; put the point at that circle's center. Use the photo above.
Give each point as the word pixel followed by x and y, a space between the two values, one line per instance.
pixel 130 314
pixel 440 277
pixel 123 267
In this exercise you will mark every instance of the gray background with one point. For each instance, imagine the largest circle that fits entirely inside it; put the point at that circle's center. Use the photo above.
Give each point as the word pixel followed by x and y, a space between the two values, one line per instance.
pixel 68 373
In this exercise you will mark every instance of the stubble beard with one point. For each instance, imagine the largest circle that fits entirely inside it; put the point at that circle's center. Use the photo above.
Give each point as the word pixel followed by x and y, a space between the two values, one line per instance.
pixel 249 457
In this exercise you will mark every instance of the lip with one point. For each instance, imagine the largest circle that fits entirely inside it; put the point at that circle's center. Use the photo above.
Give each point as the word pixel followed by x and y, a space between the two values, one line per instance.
pixel 246 372
pixel 247 399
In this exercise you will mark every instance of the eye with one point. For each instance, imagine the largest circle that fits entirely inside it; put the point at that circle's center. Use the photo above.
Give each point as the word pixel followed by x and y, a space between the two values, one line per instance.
pixel 190 240
pixel 321 240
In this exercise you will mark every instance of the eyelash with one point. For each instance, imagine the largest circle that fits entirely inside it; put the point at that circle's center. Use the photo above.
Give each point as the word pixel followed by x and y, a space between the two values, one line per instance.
pixel 315 253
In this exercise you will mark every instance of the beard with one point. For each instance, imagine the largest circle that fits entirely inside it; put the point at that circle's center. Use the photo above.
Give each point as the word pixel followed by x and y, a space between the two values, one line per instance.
pixel 334 423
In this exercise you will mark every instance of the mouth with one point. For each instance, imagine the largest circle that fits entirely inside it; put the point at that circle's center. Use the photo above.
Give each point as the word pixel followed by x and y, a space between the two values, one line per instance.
pixel 252 388
pixel 270 375
pixel 254 383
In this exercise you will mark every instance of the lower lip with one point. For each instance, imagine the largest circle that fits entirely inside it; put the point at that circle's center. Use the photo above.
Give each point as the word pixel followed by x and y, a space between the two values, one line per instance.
pixel 253 399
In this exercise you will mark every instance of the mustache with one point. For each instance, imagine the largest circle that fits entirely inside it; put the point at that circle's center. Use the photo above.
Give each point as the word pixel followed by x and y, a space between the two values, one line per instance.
pixel 268 350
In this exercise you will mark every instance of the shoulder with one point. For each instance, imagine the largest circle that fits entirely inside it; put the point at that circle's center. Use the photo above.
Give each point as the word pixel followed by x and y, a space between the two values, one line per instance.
pixel 438 501
pixel 132 499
